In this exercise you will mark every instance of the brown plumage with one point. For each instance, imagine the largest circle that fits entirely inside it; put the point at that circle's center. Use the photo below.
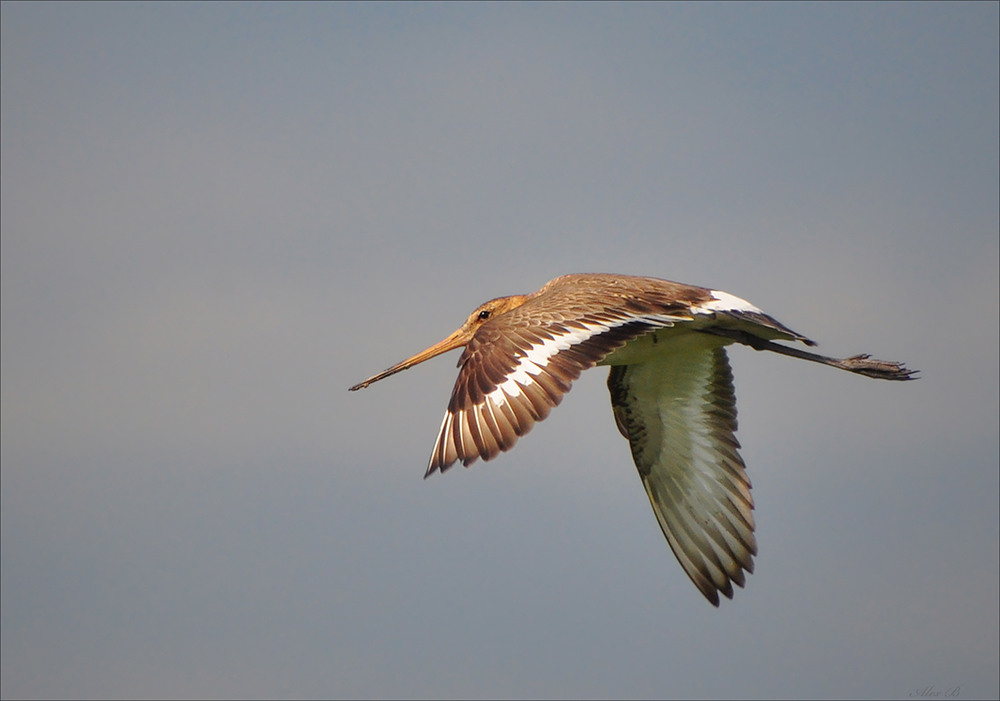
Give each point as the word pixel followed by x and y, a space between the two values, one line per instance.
pixel 671 393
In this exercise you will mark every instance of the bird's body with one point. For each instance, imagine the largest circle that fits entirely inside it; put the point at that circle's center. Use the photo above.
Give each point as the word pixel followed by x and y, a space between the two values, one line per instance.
pixel 671 393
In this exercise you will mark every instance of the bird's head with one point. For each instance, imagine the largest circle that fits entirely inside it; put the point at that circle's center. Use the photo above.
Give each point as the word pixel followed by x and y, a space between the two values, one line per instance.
pixel 484 313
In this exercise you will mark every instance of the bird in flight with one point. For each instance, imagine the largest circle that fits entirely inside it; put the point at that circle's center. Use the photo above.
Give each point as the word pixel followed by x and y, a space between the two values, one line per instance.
pixel 671 394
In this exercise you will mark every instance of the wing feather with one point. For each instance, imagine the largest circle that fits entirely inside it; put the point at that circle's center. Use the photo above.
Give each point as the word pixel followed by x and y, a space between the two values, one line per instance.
pixel 678 411
pixel 518 389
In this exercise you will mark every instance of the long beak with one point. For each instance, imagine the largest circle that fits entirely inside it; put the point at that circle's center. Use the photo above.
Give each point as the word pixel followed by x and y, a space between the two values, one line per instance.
pixel 455 340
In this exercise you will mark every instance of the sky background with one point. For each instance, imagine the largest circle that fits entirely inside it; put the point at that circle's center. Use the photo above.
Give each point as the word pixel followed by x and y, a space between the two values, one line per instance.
pixel 216 218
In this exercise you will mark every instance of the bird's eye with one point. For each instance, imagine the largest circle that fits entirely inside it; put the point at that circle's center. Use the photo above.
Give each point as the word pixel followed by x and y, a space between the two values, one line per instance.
pixel 484 315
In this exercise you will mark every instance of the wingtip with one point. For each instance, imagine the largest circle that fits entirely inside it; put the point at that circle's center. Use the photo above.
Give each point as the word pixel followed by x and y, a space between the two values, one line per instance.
pixel 712 595
pixel 711 592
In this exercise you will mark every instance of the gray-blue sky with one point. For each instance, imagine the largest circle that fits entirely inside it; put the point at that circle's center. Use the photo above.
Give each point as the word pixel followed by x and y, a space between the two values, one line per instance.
pixel 218 217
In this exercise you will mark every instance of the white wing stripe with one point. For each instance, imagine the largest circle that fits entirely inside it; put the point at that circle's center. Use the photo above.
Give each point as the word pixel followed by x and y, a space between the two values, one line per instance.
pixel 522 399
pixel 536 357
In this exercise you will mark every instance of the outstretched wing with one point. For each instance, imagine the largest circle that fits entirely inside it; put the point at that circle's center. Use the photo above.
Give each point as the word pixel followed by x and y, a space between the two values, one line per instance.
pixel 678 411
pixel 512 374
pixel 520 364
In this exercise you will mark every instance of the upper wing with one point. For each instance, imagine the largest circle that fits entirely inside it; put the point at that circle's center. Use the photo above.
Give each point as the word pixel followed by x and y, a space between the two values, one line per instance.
pixel 512 374
pixel 678 412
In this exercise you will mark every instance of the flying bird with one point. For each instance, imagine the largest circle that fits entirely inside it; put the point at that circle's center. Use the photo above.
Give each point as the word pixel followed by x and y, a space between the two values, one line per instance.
pixel 671 393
